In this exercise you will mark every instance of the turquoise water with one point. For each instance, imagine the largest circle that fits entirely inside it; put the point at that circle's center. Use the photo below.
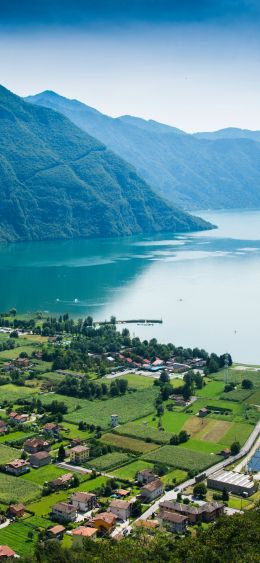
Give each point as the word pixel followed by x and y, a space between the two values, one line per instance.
pixel 205 286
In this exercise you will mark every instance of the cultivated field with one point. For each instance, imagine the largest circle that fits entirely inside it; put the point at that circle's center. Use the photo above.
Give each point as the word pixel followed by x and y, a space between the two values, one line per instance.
pixel 16 537
pixel 214 430
pixel 108 461
pixel 182 458
pixel 17 489
pixel 8 454
pixel 126 443
pixel 143 431
pixel 43 474
pixel 11 392
pixel 130 470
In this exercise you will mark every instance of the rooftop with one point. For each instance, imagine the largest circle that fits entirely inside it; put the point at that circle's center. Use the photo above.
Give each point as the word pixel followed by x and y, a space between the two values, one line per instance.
pixel 79 449
pixel 81 496
pixel 6 551
pixel 59 529
pixel 153 485
pixel 117 503
pixel 63 507
pixel 233 478
pixel 84 531
pixel 40 455
pixel 173 517
pixel 107 517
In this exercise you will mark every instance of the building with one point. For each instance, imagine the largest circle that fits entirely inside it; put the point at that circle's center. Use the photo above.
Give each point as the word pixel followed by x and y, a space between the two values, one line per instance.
pixel 82 532
pixel 3 427
pixel 207 512
pixel 40 459
pixel 34 445
pixel 16 510
pixel 176 523
pixel 226 452
pixel 77 442
pixel 145 476
pixel 64 512
pixel 152 490
pixel 120 508
pixel 52 428
pixel 6 552
pixel 18 418
pixel 17 467
pixel 146 524
pixel 83 502
pixel 22 362
pixel 114 420
pixel 203 412
pixel 233 482
pixel 104 522
pixel 79 454
pixel 61 482
pixel 56 532
pixel 122 493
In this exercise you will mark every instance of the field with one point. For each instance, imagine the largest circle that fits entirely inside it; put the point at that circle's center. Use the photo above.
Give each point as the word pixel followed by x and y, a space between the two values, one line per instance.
pixel 17 489
pixel 172 422
pixel 108 461
pixel 16 537
pixel 8 454
pixel 211 390
pixel 214 430
pixel 126 443
pixel 203 446
pixel 174 477
pixel 128 407
pixel 11 392
pixel 182 458
pixel 129 471
pixel 43 506
pixel 239 431
pixel 47 473
pixel 15 352
pixel 137 381
pixel 238 395
pixel 254 399
pixel 144 431
pixel 15 437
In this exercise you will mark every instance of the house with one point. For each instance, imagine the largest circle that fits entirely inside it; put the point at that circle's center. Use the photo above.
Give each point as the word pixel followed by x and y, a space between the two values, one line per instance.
pixel 3 427
pixel 122 493
pixel 22 362
pixel 18 418
pixel 52 428
pixel 176 523
pixel 64 512
pixel 82 532
pixel 83 502
pixel 207 512
pixel 147 524
pixel 77 442
pixel 17 467
pixel 6 552
pixel 40 459
pixel 145 476
pixel 61 482
pixel 34 445
pixel 121 509
pixel 157 362
pixel 104 522
pixel 16 510
pixel 56 532
pixel 203 412
pixel 79 454
pixel 152 490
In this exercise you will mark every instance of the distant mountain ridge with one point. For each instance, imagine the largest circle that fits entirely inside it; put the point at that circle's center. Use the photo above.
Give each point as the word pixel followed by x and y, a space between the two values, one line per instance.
pixel 204 170
pixel 56 181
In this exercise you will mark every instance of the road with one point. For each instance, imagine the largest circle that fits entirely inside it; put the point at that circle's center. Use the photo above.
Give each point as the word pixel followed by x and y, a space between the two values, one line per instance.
pixel 82 470
pixel 172 495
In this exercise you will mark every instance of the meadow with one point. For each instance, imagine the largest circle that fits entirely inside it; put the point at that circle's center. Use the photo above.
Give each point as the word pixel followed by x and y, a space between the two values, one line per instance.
pixel 130 470
pixel 16 537
pixel 8 454
pixel 143 431
pixel 182 458
pixel 128 443
pixel 108 461
pixel 17 489
pixel 43 474
pixel 11 393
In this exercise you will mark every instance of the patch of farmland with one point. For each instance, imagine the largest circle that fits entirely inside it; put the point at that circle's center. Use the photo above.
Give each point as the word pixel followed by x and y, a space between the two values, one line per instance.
pixel 17 489
pixel 108 461
pixel 130 470
pixel 10 392
pixel 182 458
pixel 8 454
pixel 203 446
pixel 214 431
pixel 172 422
pixel 15 352
pixel 174 477
pixel 127 443
pixel 254 399
pixel 239 431
pixel 16 537
pixel 237 395
pixel 128 407
pixel 46 473
pixel 211 390
pixel 143 431
pixel 196 424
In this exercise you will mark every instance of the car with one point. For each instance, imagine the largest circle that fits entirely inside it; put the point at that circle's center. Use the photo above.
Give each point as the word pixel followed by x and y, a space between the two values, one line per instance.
pixel 176 488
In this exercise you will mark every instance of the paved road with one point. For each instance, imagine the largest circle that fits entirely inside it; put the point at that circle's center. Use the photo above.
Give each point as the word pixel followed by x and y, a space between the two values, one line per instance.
pixel 82 470
pixel 172 495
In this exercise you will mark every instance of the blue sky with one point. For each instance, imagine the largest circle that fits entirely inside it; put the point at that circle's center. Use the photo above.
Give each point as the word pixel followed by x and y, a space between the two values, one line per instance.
pixel 193 64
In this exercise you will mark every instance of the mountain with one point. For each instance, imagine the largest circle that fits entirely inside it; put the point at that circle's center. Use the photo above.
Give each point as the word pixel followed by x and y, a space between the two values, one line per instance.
pixel 56 181
pixel 193 172
pixel 229 133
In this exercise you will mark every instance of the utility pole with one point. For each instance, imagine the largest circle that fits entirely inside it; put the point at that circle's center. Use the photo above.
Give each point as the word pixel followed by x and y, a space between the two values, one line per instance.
pixel 226 366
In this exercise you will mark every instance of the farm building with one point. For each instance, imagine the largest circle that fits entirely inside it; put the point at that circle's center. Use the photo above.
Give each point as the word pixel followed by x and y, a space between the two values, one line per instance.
pixel 16 510
pixel 56 532
pixel 236 483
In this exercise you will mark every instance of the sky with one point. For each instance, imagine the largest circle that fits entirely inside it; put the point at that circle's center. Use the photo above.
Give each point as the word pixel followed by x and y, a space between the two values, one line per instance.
pixel 192 64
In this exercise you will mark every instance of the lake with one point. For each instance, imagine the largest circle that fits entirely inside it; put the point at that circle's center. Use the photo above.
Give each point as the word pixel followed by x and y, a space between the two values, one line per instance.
pixel 205 286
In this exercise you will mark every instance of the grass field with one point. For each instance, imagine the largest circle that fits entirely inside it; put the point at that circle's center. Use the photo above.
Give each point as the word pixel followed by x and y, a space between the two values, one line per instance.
pixel 15 352
pixel 129 471
pixel 172 422
pixel 128 407
pixel 16 537
pixel 254 399
pixel 108 461
pixel 211 390
pixel 237 395
pixel 182 458
pixel 17 489
pixel 10 392
pixel 47 473
pixel 174 477
pixel 203 446
pixel 73 431
pixel 15 436
pixel 144 431
pixel 137 381
pixel 239 431
pixel 214 430
pixel 8 454
pixel 43 506
pixel 129 444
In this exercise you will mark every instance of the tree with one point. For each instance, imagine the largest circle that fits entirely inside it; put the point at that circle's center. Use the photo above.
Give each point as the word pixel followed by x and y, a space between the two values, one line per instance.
pixel 247 384
pixel 200 490
pixel 136 510
pixel 13 312
pixel 186 392
pixel 235 448
pixel 164 377
pixel 225 495
pixel 61 453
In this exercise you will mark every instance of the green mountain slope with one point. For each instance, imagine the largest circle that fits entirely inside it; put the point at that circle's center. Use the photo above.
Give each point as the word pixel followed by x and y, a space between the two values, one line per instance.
pixel 58 182
pixel 219 171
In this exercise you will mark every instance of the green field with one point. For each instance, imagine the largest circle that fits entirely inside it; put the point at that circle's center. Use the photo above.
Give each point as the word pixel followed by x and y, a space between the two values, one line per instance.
pixel 172 422
pixel 138 381
pixel 182 458
pixel 17 489
pixel 129 471
pixel 47 473
pixel 72 431
pixel 12 392
pixel 211 390
pixel 15 352
pixel 254 399
pixel 15 437
pixel 203 446
pixel 237 395
pixel 16 537
pixel 144 431
pixel 126 443
pixel 238 432
pixel 128 407
pixel 8 454
pixel 174 477
pixel 43 506
pixel 108 461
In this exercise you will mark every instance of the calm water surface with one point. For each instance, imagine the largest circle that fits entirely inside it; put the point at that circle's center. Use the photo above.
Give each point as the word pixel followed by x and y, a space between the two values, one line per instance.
pixel 205 286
